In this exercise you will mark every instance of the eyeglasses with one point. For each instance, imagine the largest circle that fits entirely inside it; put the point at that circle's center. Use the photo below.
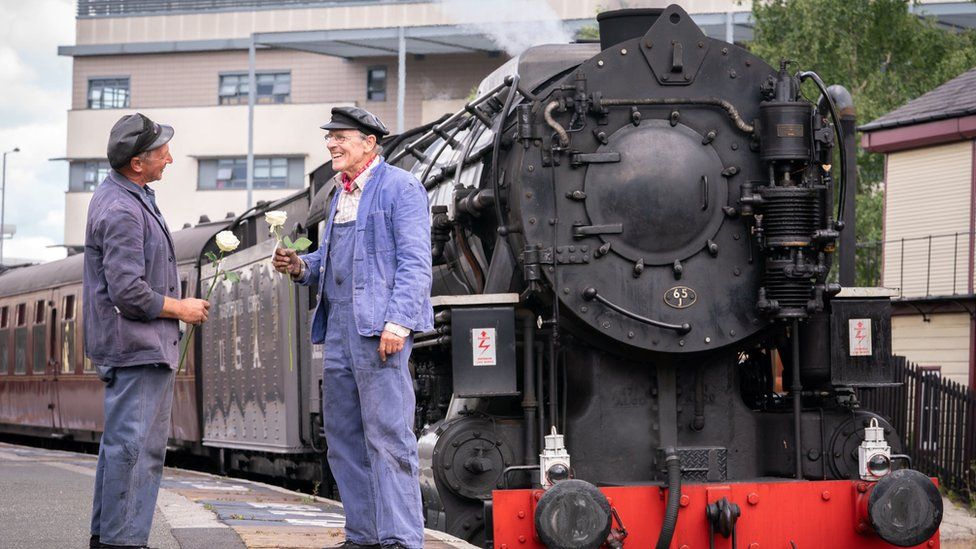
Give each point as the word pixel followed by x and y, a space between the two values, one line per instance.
pixel 339 139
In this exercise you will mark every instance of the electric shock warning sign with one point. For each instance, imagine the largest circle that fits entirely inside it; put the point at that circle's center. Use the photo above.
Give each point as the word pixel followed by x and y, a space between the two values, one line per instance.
pixel 859 332
pixel 484 347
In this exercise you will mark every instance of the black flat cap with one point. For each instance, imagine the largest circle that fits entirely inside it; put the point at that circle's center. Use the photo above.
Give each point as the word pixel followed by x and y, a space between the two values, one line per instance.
pixel 134 134
pixel 354 118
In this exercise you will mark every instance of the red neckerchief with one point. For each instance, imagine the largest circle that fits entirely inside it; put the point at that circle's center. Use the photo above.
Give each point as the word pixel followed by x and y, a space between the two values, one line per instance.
pixel 348 181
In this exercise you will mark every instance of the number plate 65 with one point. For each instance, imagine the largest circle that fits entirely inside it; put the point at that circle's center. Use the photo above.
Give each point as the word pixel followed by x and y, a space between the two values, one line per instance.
pixel 680 297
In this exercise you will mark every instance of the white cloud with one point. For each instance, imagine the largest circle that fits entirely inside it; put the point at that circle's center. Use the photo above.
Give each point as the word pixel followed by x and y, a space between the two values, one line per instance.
pixel 36 86
pixel 32 249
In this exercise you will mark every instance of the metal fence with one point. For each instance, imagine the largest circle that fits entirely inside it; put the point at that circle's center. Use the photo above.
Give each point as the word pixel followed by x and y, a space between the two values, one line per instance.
pixel 121 8
pixel 924 266
pixel 936 419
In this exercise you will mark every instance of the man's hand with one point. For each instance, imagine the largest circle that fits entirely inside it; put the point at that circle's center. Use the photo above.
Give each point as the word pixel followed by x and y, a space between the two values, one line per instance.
pixel 190 310
pixel 287 261
pixel 390 344
pixel 193 310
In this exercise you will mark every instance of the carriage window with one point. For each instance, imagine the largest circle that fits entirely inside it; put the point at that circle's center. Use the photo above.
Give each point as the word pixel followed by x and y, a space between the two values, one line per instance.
pixel 69 307
pixel 4 317
pixel 39 311
pixel 21 314
pixel 67 335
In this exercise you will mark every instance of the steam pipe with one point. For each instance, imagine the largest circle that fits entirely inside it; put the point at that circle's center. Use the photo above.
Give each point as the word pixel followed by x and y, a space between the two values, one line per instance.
pixel 561 131
pixel 729 108
pixel 797 390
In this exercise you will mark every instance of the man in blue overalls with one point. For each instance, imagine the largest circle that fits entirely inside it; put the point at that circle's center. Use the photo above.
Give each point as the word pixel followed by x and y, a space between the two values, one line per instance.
pixel 373 273
pixel 132 306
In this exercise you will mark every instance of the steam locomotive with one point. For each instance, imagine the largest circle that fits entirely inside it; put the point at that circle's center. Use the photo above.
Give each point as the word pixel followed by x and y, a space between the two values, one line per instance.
pixel 637 342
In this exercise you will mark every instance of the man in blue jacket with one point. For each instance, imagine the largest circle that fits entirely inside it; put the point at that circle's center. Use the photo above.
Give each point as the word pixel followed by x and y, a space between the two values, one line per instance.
pixel 373 273
pixel 132 306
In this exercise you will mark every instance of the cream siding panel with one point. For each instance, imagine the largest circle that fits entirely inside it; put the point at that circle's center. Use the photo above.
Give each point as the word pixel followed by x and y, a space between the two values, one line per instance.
pixel 928 193
pixel 942 341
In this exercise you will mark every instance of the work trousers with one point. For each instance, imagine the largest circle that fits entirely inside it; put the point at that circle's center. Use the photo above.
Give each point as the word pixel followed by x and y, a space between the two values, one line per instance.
pixel 138 403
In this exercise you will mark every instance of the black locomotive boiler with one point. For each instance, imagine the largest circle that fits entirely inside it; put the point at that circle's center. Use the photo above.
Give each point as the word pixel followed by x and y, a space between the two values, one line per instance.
pixel 629 239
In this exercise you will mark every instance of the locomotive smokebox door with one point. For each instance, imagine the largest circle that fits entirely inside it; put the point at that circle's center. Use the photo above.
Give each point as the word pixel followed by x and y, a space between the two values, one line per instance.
pixel 483 351
pixel 860 338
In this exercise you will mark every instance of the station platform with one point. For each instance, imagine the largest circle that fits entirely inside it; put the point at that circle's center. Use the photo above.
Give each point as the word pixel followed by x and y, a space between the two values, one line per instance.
pixel 45 503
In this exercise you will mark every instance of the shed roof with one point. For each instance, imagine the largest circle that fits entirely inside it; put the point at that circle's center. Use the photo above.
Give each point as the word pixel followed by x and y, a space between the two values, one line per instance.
pixel 953 99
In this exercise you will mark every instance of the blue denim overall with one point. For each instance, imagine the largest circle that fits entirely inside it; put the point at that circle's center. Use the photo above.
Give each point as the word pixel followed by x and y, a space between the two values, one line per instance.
pixel 368 409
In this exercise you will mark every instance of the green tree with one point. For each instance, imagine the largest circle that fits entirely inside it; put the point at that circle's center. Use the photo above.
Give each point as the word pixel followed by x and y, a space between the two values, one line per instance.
pixel 880 51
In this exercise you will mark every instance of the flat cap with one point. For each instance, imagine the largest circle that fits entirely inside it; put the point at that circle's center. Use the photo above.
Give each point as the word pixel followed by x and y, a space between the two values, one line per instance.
pixel 135 134
pixel 355 118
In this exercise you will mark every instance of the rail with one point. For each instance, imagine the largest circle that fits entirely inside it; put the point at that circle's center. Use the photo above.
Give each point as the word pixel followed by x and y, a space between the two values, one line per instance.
pixel 925 266
pixel 936 418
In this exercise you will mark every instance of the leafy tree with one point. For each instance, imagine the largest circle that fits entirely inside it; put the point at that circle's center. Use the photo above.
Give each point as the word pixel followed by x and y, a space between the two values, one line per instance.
pixel 880 51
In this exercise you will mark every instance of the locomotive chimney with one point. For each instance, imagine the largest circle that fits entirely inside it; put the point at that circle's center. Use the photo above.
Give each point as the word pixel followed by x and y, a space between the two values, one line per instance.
pixel 620 25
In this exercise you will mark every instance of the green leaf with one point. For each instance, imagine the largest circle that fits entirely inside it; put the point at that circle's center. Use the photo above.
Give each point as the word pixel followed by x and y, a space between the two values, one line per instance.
pixel 287 242
pixel 232 276
pixel 301 244
pixel 211 256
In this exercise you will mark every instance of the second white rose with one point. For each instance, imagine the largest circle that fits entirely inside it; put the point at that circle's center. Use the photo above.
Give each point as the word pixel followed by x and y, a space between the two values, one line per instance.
pixel 226 241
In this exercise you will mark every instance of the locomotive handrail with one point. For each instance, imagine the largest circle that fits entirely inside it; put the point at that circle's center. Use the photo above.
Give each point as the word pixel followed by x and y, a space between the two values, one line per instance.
pixel 591 293
pixel 467 109
pixel 741 124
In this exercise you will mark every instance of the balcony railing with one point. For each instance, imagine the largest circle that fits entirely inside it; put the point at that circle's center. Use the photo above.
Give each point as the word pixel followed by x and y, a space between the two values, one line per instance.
pixel 122 8
pixel 925 266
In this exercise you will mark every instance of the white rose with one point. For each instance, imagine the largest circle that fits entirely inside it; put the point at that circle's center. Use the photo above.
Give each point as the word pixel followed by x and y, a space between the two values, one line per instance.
pixel 226 241
pixel 275 218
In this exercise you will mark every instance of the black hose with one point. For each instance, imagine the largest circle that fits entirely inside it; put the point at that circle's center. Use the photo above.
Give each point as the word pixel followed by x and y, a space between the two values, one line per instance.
pixel 674 499
pixel 840 138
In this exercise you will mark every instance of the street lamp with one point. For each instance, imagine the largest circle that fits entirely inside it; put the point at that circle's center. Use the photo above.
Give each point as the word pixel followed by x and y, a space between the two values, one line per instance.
pixel 3 198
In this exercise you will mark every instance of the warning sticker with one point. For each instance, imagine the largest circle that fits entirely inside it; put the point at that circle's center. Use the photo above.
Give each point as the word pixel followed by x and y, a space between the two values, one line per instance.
pixel 859 332
pixel 483 347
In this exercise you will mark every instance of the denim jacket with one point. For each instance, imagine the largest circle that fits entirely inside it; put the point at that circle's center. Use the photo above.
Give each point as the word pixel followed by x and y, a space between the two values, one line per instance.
pixel 130 265
pixel 391 263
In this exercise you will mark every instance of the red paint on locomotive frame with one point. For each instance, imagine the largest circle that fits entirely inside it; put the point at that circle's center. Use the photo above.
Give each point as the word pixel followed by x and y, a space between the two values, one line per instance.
pixel 813 515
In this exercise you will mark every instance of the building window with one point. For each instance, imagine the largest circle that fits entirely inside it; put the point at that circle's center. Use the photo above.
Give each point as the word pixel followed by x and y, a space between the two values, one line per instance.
pixel 376 84
pixel 270 172
pixel 108 93
pixel 273 87
pixel 85 175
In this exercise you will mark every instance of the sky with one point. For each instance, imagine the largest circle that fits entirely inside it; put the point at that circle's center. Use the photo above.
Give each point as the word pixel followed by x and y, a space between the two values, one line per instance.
pixel 35 86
